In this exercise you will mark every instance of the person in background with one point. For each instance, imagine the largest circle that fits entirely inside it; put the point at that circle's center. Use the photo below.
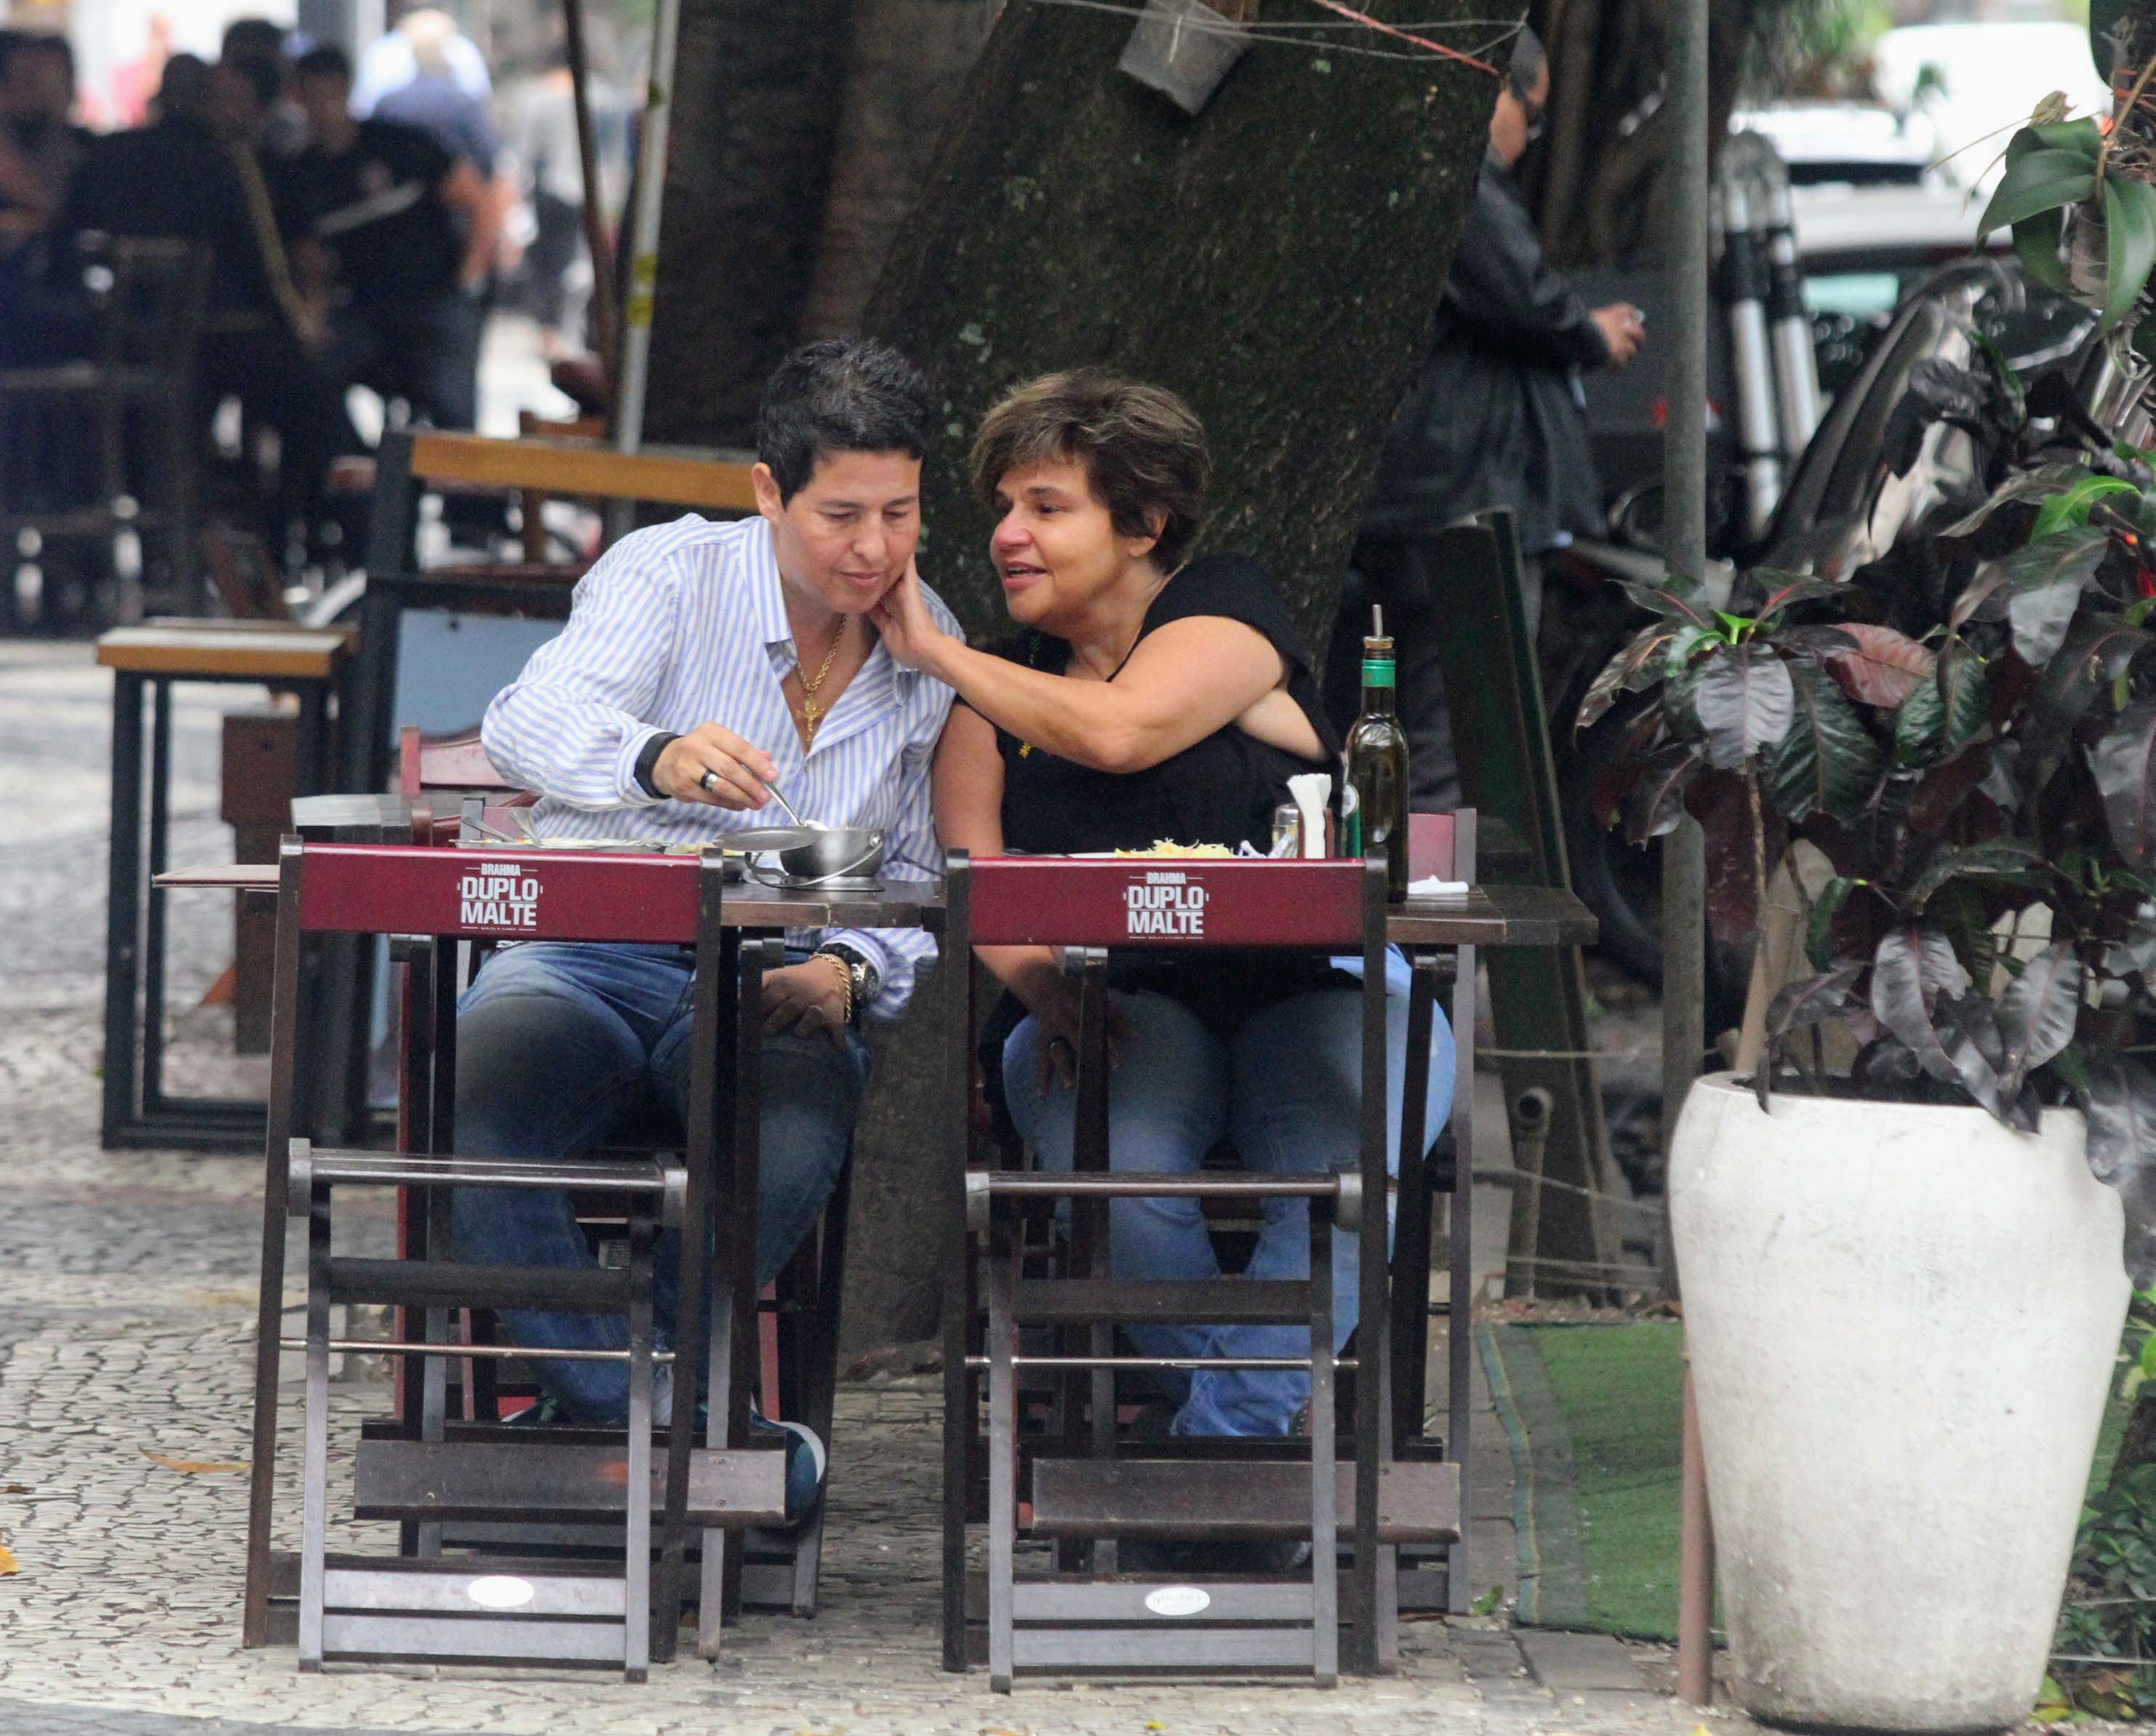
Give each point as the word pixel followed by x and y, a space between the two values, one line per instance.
pixel 388 64
pixel 402 233
pixel 1496 419
pixel 542 139
pixel 269 43
pixel 40 145
pixel 132 85
pixel 193 172
pixel 437 103
pixel 433 98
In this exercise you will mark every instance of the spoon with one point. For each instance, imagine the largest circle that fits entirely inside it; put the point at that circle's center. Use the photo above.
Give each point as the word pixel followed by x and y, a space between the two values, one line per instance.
pixel 806 825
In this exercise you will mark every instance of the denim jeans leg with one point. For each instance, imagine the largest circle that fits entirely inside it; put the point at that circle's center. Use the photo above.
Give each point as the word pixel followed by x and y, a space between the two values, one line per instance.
pixel 553 1045
pixel 811 1096
pixel 1297 1106
pixel 1167 1108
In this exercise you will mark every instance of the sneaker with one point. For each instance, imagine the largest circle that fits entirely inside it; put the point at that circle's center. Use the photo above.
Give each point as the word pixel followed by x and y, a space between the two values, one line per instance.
pixel 542 1412
pixel 805 1462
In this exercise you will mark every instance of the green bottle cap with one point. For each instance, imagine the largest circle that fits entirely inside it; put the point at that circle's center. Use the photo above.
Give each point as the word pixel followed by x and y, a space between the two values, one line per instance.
pixel 1377 672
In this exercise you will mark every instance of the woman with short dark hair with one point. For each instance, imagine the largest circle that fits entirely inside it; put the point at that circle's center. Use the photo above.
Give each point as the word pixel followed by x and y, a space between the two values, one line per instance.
pixel 1150 695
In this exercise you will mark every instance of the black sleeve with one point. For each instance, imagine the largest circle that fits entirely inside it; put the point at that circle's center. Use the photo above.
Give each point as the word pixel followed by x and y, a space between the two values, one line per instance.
pixel 1504 293
pixel 1239 588
pixel 413 153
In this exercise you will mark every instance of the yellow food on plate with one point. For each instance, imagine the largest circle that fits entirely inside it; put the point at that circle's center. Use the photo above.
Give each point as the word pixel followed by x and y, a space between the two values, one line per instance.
pixel 1168 846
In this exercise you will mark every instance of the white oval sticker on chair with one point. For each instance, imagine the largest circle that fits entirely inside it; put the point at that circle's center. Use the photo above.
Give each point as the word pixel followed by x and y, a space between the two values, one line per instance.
pixel 1178 1601
pixel 501 1591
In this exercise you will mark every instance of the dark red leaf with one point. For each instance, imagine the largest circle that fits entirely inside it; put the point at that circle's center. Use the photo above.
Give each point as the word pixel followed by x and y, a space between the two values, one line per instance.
pixel 1884 669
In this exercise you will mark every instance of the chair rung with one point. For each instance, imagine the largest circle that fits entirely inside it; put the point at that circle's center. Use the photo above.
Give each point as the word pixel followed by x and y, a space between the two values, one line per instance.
pixel 1163 1648
pixel 1228 1301
pixel 393 1169
pixel 442 1283
pixel 422 1480
pixel 1177 1184
pixel 645 1175
pixel 1083 1597
pixel 536 1640
pixel 1228 1499
pixel 410 1584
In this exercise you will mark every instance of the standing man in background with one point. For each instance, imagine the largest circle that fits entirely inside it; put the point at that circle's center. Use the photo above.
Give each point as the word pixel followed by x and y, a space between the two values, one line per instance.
pixel 40 145
pixel 437 102
pixel 403 232
pixel 1497 419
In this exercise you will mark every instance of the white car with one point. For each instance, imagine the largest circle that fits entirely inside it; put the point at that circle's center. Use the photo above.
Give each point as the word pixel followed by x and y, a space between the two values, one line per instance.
pixel 1973 84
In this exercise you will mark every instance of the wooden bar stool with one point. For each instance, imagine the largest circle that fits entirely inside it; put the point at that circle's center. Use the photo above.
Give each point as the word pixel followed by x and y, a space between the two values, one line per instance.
pixel 147 661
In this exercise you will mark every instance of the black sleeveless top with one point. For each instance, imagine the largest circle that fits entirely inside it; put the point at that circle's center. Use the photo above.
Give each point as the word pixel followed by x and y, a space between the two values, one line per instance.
pixel 1221 791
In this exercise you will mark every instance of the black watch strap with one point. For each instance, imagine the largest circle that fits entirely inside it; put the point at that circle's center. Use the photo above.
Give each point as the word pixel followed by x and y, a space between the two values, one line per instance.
pixel 647 762
pixel 866 978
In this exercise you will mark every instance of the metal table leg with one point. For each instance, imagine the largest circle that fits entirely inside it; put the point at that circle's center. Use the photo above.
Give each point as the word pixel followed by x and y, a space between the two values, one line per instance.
pixel 123 917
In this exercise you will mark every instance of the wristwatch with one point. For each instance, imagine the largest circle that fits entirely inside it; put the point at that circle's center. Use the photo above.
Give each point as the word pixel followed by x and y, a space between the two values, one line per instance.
pixel 866 978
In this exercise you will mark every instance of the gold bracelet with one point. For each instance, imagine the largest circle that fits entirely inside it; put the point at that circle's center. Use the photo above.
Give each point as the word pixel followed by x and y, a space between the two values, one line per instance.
pixel 845 986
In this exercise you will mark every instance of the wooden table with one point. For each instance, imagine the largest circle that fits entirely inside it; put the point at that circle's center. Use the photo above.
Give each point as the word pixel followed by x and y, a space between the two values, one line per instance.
pixel 137 1111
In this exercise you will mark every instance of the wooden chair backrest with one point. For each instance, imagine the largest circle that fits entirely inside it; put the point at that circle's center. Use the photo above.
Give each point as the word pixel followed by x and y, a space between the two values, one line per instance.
pixel 584 469
pixel 1171 902
pixel 445 762
pixel 1434 846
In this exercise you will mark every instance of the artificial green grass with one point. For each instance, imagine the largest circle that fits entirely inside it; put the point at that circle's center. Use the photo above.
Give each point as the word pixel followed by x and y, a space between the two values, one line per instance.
pixel 1621 1389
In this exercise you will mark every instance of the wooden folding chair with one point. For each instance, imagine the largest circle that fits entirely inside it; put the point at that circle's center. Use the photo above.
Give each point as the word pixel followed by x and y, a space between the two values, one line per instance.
pixel 1087 1617
pixel 425 1470
pixel 797 1316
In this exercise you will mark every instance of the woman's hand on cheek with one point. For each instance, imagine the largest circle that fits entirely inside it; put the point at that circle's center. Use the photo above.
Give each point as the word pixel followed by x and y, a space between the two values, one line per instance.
pixel 909 632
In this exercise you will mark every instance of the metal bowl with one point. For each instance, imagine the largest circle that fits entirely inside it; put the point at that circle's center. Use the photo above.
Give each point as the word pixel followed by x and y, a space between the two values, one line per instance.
pixel 839 852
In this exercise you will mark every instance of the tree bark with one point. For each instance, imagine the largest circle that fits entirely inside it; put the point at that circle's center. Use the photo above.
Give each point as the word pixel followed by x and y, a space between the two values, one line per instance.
pixel 906 61
pixel 1275 259
pixel 756 105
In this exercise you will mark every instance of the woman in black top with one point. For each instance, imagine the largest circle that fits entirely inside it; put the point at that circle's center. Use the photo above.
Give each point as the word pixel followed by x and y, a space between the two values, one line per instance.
pixel 1148 697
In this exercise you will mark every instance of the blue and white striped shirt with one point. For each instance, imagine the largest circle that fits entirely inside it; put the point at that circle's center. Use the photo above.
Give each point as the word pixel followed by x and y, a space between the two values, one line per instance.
pixel 685 624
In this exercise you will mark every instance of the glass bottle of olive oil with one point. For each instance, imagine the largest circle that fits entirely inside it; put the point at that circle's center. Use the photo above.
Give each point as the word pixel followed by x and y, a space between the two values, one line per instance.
pixel 1377 765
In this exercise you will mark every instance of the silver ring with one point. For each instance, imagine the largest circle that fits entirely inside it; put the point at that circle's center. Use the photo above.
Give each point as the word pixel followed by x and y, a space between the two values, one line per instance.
pixel 709 780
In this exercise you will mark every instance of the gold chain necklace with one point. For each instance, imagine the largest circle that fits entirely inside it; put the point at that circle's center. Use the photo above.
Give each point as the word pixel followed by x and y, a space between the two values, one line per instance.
pixel 811 714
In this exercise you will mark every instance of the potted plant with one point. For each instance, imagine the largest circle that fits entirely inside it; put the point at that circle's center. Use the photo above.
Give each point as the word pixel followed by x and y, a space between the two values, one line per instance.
pixel 1902 1277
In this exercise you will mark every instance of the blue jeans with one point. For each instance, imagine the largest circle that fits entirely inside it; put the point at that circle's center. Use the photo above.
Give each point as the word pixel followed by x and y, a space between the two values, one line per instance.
pixel 559 1047
pixel 1287 1089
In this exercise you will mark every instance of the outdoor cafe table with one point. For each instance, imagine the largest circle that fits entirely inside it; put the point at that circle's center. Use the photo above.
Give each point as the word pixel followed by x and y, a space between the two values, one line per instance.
pixel 416 890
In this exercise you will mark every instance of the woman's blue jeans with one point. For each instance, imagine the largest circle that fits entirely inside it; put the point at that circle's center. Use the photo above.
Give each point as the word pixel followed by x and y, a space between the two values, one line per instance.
pixel 1287 1089
pixel 559 1048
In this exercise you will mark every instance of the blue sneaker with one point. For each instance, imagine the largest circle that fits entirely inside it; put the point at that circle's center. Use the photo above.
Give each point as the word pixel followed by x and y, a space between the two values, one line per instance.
pixel 805 1461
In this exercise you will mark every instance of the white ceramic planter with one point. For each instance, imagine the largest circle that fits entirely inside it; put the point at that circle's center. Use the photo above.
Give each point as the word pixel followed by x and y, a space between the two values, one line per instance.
pixel 1901 1322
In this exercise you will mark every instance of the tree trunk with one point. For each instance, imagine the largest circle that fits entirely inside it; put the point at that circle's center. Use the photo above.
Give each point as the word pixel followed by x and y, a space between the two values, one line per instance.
pixel 906 61
pixel 1275 259
pixel 1595 181
pixel 756 102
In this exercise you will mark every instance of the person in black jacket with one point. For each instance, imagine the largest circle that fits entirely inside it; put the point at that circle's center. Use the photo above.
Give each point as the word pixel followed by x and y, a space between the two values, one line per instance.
pixel 1495 420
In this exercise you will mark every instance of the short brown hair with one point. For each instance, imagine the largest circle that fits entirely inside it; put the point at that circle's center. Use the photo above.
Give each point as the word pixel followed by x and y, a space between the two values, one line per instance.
pixel 1143 451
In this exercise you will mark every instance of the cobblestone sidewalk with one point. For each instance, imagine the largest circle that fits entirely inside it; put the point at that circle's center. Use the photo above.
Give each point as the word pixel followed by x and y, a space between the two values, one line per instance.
pixel 124 1332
